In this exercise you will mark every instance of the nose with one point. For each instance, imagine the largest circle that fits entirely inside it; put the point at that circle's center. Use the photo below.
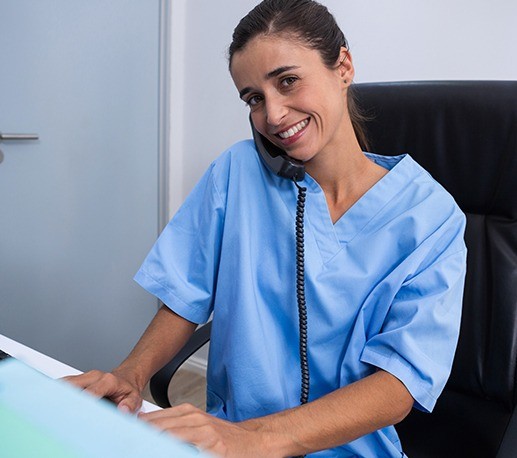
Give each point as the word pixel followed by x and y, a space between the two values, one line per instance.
pixel 275 111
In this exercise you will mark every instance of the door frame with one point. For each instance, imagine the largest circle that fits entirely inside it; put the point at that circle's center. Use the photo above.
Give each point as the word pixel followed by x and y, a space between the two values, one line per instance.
pixel 164 115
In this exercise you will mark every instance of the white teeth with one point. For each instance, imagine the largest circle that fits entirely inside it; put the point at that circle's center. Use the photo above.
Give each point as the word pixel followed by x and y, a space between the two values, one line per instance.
pixel 294 129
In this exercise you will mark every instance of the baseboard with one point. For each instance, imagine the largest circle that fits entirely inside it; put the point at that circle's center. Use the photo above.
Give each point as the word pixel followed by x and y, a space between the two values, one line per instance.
pixel 196 364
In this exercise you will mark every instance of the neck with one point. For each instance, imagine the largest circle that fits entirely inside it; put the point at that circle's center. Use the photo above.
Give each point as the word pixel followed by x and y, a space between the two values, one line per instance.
pixel 345 178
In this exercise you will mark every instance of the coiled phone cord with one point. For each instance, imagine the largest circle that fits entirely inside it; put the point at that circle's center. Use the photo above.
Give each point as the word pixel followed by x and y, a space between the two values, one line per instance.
pixel 300 295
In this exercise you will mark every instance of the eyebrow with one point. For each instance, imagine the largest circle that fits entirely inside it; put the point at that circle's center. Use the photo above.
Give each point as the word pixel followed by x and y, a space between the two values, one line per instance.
pixel 272 74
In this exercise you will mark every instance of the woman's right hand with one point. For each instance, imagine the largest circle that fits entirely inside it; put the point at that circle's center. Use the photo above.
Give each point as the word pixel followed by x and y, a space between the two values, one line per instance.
pixel 163 338
pixel 112 385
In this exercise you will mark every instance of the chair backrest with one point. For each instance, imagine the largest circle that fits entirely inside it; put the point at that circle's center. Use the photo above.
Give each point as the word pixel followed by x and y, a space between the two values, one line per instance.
pixel 465 134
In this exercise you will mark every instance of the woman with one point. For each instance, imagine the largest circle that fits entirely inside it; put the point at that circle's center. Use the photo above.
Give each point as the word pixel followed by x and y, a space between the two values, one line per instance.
pixel 384 267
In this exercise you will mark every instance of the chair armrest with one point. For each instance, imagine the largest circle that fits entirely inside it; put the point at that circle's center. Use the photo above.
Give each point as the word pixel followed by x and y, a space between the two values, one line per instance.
pixel 159 383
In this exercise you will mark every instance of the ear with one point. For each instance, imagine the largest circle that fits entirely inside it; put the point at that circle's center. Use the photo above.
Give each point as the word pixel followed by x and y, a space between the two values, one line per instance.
pixel 346 66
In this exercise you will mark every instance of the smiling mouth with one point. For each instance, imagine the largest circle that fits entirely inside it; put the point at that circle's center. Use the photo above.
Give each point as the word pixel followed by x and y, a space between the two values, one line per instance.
pixel 293 130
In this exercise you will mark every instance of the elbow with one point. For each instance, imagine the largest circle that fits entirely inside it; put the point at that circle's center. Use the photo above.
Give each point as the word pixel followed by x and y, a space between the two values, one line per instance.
pixel 403 409
pixel 400 400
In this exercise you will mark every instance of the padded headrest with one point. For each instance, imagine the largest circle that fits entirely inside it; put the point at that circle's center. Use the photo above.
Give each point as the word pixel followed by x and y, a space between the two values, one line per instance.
pixel 463 132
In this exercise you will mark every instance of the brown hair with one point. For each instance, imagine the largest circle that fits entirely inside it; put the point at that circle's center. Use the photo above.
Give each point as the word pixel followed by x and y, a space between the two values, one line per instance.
pixel 314 25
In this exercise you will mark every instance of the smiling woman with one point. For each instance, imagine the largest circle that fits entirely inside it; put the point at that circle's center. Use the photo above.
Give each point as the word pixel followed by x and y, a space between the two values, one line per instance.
pixel 314 27
pixel 383 249
pixel 302 106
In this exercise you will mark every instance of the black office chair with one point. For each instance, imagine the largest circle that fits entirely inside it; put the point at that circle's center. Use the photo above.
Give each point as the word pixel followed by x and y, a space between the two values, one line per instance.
pixel 465 134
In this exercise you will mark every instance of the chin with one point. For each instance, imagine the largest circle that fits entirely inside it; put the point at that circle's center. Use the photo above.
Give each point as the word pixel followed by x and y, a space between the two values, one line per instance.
pixel 301 155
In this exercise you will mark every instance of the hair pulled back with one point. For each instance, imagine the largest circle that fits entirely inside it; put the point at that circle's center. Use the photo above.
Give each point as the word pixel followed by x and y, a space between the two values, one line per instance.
pixel 309 22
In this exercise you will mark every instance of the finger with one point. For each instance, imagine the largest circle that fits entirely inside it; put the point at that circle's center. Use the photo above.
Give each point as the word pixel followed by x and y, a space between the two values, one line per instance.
pixel 84 379
pixel 106 385
pixel 127 402
pixel 195 427
pixel 190 434
pixel 202 437
pixel 176 411
pixel 130 403
pixel 173 423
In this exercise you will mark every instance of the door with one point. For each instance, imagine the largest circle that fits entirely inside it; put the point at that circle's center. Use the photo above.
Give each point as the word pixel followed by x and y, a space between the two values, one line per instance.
pixel 79 206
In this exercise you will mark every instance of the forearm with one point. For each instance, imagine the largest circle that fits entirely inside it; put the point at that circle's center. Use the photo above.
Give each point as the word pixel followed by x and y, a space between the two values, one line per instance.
pixel 338 418
pixel 164 337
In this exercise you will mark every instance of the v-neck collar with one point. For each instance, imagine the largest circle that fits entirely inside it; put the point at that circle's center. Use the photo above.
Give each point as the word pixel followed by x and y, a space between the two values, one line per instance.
pixel 330 237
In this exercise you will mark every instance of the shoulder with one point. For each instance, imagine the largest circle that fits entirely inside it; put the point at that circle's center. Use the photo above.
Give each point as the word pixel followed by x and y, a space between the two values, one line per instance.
pixel 436 201
pixel 240 154
pixel 415 188
pixel 419 207
pixel 238 168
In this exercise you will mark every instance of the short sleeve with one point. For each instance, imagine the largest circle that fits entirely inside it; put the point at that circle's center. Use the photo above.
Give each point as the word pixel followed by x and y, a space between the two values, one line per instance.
pixel 181 267
pixel 419 335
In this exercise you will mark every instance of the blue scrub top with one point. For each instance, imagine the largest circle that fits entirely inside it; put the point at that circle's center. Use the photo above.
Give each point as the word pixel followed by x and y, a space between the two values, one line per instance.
pixel 384 286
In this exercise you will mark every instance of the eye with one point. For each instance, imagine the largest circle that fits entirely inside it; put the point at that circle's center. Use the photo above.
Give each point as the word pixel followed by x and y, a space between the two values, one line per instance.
pixel 254 100
pixel 288 81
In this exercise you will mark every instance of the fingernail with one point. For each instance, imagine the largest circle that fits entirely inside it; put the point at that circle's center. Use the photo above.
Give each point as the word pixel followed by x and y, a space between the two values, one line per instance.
pixel 124 408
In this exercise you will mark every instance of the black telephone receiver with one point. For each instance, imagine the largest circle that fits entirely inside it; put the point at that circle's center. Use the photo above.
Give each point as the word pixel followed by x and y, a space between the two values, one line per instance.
pixel 276 159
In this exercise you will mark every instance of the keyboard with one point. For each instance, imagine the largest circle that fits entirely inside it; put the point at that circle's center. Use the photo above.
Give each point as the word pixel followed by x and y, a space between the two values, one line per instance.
pixel 4 355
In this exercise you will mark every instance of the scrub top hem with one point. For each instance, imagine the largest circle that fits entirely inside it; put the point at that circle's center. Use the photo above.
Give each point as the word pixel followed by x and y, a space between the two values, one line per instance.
pixel 171 300
pixel 394 364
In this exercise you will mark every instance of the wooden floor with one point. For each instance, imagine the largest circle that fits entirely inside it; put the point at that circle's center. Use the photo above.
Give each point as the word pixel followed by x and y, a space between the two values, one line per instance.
pixel 186 386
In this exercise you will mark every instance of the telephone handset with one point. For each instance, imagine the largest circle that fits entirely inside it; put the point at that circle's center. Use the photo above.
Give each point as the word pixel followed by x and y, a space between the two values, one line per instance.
pixel 282 165
pixel 276 159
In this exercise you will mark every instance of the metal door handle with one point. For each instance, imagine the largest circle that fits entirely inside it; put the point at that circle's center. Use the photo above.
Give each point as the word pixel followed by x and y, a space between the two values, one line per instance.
pixel 18 136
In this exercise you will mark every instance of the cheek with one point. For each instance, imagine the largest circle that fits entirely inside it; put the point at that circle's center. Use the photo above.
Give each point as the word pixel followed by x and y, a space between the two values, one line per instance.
pixel 259 121
pixel 327 100
pixel 328 109
pixel 335 100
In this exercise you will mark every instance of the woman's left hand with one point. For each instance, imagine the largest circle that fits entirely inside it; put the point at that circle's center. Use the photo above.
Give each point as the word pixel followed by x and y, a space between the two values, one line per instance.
pixel 216 436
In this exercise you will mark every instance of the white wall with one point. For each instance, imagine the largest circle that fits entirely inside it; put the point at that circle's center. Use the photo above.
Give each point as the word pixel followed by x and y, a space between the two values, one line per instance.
pixel 390 40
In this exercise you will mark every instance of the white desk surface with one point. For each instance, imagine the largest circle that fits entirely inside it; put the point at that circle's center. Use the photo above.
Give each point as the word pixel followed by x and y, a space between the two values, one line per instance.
pixel 47 365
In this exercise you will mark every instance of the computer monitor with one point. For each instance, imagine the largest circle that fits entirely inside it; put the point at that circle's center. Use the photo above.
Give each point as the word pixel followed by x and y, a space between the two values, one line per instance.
pixel 42 417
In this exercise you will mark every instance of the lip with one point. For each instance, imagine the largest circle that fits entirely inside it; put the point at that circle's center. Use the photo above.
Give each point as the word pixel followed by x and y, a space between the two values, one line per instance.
pixel 296 136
